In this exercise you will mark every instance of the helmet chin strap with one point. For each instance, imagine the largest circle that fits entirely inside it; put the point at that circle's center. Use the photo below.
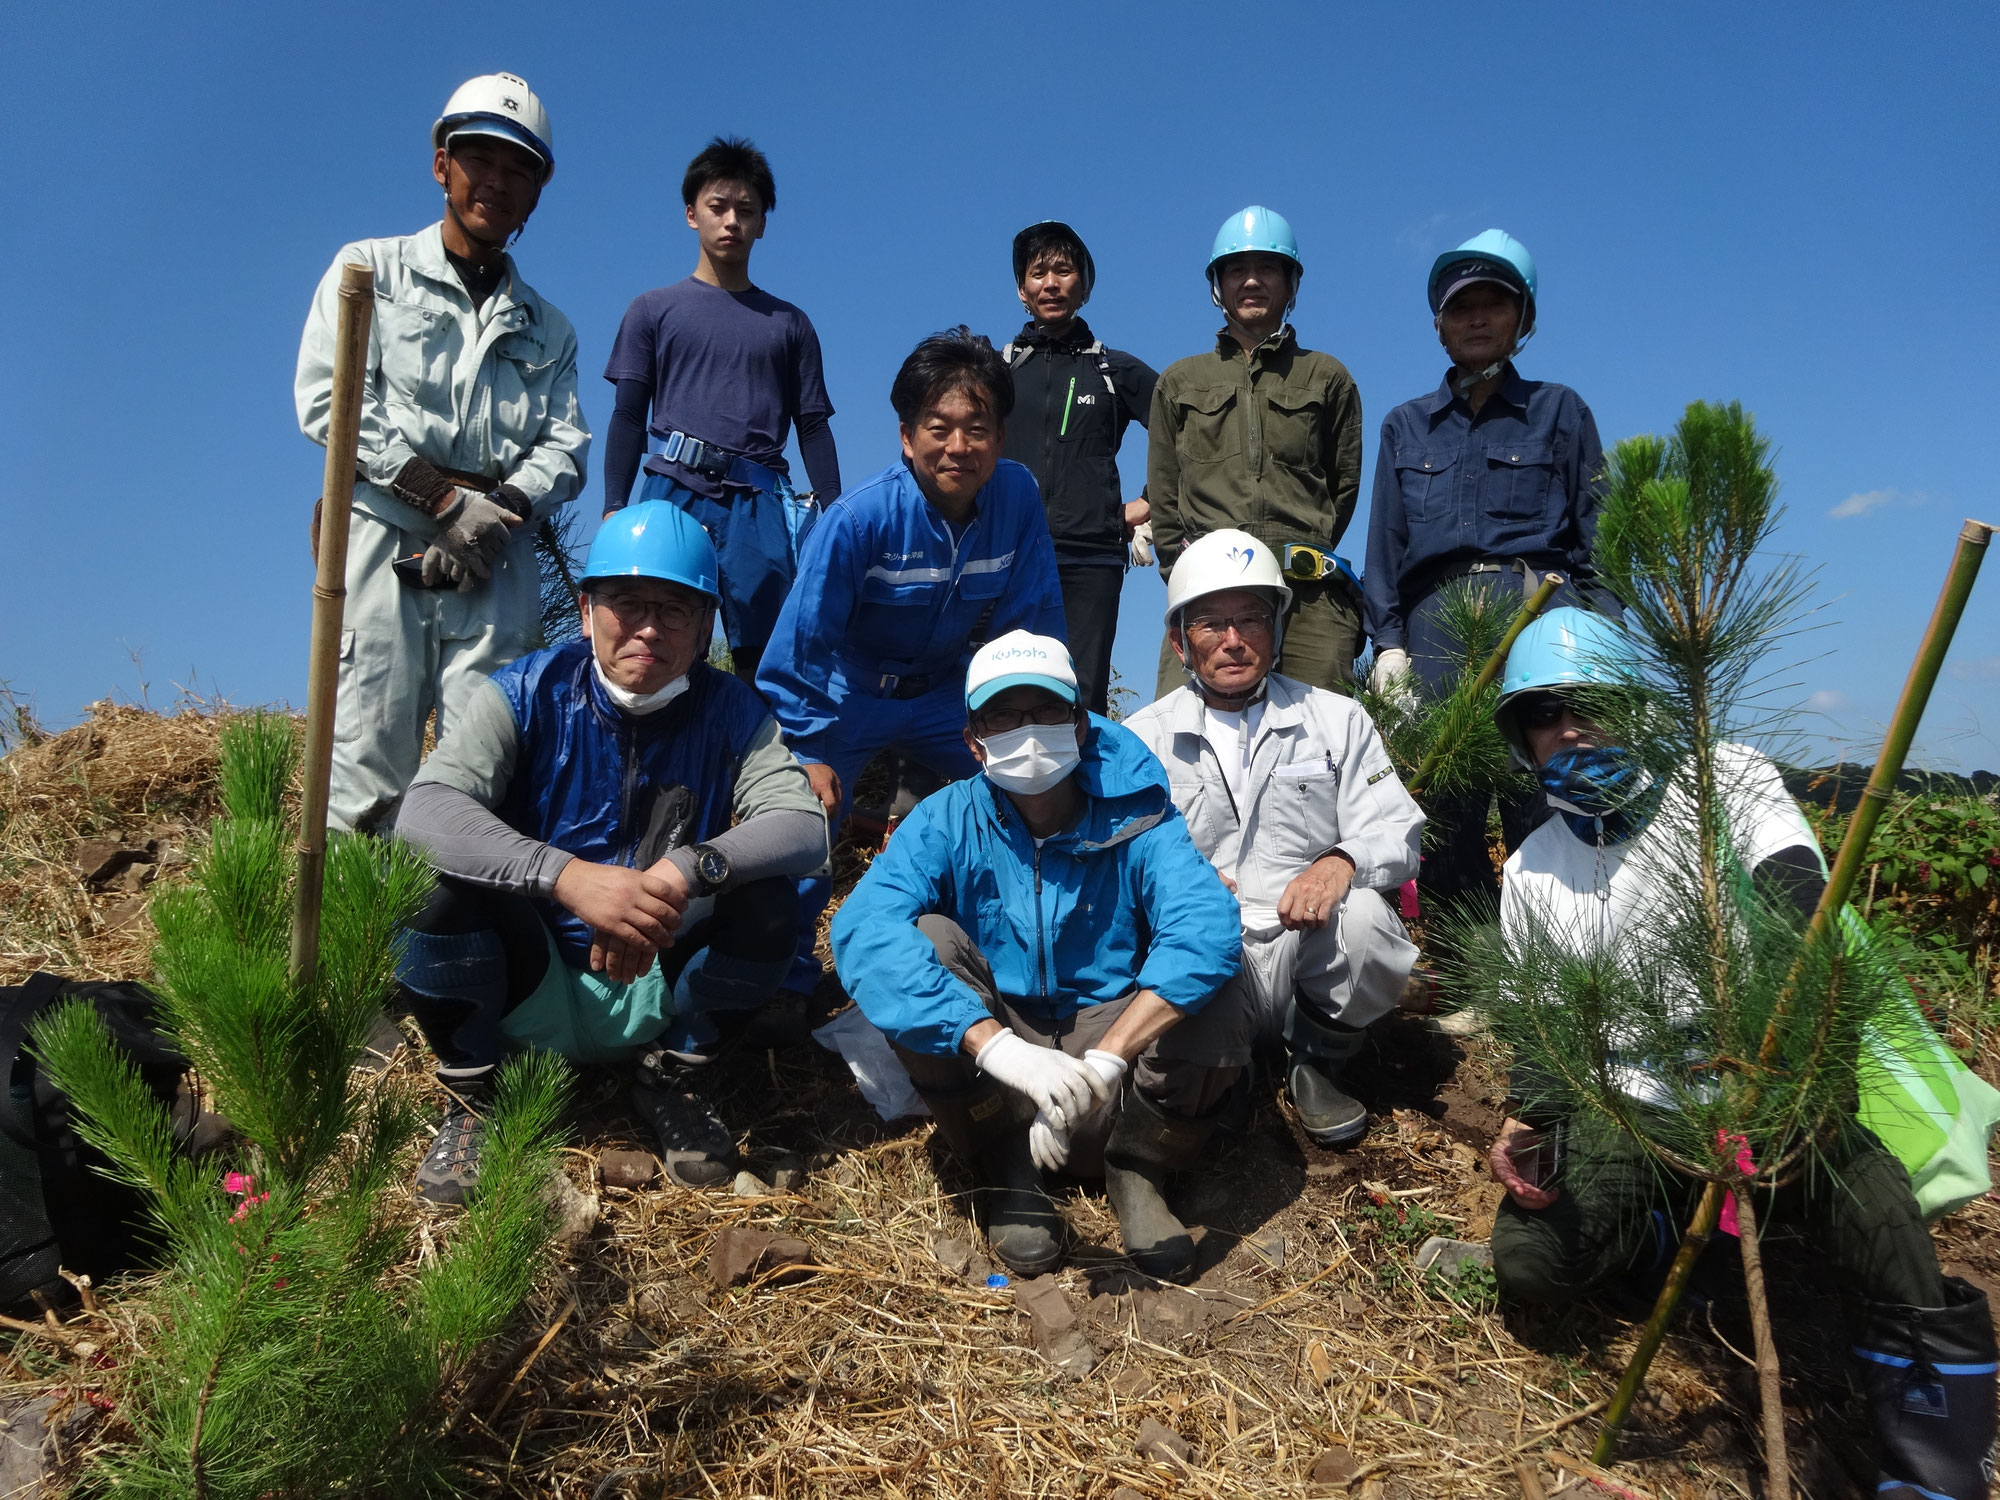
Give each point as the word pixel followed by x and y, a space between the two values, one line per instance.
pixel 1460 384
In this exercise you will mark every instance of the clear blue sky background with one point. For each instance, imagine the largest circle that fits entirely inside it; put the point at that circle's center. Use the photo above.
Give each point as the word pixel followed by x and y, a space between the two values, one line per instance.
pixel 1789 205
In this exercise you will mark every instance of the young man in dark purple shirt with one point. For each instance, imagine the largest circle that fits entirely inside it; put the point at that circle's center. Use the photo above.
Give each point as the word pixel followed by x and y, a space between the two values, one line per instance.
pixel 712 374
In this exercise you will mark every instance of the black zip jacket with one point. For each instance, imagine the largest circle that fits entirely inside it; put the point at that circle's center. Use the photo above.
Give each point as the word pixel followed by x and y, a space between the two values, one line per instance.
pixel 1073 399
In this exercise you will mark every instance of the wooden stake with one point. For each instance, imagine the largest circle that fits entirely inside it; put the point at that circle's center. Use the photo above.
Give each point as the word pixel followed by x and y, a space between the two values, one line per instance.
pixel 343 440
pixel 1495 664
pixel 1777 1465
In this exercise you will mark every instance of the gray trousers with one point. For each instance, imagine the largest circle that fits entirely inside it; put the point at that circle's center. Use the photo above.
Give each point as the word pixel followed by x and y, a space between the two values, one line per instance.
pixel 1188 1071
pixel 1348 973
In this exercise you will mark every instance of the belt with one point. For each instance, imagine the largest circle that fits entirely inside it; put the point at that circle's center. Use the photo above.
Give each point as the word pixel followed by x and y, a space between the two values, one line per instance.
pixel 888 684
pixel 711 462
pixel 1531 576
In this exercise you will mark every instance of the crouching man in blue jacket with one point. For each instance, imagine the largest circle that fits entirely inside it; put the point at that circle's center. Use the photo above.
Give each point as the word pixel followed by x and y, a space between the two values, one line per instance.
pixel 613 822
pixel 1050 955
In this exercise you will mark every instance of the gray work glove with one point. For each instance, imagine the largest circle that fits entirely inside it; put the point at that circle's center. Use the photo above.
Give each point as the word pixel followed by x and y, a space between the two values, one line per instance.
pixel 475 530
pixel 1142 545
pixel 442 569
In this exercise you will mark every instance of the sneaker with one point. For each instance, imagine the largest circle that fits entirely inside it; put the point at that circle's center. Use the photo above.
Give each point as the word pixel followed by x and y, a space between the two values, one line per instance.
pixel 1329 1116
pixel 696 1148
pixel 449 1172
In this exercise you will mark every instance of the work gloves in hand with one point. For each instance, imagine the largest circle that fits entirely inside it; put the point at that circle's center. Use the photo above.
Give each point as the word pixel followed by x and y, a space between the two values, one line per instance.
pixel 442 570
pixel 1064 1088
pixel 1048 1142
pixel 1142 545
pixel 1392 666
pixel 474 530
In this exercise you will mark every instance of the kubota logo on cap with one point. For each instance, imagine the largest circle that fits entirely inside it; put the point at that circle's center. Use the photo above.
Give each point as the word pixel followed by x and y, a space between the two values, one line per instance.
pixel 1015 653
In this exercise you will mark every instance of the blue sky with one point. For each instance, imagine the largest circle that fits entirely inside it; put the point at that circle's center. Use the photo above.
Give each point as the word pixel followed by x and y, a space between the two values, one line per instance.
pixel 1786 205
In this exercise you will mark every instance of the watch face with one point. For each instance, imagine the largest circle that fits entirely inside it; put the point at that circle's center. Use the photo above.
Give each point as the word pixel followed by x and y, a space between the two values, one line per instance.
pixel 712 866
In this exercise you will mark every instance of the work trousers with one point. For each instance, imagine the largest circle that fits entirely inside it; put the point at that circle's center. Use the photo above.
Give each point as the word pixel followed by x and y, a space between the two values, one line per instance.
pixel 1188 1071
pixel 1299 987
pixel 929 729
pixel 1322 638
pixel 755 552
pixel 405 651
pixel 1620 1213
pixel 1090 612
pixel 729 941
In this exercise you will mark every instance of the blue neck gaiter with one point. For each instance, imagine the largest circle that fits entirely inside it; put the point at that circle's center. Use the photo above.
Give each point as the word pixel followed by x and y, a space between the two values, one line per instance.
pixel 1602 792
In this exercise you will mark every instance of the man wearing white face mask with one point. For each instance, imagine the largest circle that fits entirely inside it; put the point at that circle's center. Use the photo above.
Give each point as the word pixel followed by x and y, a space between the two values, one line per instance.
pixel 612 822
pixel 1287 788
pixel 1049 954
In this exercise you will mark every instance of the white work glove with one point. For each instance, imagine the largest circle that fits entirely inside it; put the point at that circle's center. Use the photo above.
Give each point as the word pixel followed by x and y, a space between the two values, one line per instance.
pixel 474 530
pixel 1392 666
pixel 442 569
pixel 1142 545
pixel 1061 1087
pixel 1048 1142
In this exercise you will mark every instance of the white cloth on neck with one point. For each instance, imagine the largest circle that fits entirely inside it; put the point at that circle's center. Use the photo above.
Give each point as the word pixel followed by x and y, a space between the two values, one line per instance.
pixel 639 704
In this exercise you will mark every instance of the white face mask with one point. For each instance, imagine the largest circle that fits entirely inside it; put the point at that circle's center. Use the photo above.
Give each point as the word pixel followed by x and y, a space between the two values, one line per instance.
pixel 639 704
pixel 1032 758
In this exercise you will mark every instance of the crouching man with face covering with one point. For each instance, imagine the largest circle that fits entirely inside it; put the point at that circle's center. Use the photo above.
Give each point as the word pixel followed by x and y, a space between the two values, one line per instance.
pixel 1287 788
pixel 1049 954
pixel 613 822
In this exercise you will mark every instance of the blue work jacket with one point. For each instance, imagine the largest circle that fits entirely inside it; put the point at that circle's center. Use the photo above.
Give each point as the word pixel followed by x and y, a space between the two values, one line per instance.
pixel 1121 901
pixel 887 593
pixel 587 777
pixel 1521 479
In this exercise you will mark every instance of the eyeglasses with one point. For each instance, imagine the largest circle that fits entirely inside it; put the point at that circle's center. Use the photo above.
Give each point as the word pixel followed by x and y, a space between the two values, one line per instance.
pixel 1007 720
pixel 633 610
pixel 1257 624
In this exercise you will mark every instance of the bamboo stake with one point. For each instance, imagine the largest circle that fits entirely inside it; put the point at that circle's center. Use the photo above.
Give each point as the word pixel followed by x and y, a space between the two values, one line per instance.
pixel 1777 1464
pixel 1495 664
pixel 1973 539
pixel 343 437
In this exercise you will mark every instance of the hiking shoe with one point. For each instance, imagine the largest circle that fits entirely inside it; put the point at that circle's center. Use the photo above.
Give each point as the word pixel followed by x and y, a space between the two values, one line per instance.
pixel 449 1172
pixel 1330 1117
pixel 696 1148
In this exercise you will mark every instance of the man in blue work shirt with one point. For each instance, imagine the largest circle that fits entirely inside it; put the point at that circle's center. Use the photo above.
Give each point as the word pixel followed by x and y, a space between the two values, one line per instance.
pixel 901 580
pixel 726 370
pixel 1033 935
pixel 1488 481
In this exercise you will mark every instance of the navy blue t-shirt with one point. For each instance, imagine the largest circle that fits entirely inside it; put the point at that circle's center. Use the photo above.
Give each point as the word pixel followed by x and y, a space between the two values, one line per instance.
pixel 732 368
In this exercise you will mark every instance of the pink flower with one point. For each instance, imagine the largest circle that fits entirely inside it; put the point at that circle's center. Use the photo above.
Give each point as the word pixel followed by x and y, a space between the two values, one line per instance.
pixel 237 1182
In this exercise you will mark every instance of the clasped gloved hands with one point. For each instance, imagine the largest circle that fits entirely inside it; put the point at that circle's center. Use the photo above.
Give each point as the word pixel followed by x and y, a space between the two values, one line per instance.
pixel 1063 1088
pixel 1048 1141
pixel 473 530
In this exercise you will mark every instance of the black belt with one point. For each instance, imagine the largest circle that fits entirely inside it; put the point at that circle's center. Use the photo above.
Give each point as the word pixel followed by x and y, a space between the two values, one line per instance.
pixel 1531 576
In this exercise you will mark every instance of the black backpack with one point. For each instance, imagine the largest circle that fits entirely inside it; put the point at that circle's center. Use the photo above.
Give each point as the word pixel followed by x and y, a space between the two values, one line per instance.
pixel 59 1204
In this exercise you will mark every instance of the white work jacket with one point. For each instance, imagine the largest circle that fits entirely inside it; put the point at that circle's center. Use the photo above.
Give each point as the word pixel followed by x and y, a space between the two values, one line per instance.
pixel 1319 781
pixel 491 391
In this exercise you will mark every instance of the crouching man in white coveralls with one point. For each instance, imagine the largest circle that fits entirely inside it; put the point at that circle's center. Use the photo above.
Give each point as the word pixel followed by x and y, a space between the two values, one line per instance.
pixel 471 436
pixel 1289 791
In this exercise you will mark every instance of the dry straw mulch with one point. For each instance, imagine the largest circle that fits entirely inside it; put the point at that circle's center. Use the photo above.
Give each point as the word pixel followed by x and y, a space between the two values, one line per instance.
pixel 1309 1359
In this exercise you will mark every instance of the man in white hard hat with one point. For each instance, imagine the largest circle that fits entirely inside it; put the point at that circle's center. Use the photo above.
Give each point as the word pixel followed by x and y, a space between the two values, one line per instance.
pixel 471 436
pixel 1038 937
pixel 1288 789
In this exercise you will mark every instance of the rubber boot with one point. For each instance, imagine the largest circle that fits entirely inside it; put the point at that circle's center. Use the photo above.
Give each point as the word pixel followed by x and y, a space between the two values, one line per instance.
pixel 1145 1145
pixel 1320 1052
pixel 1929 1373
pixel 1022 1225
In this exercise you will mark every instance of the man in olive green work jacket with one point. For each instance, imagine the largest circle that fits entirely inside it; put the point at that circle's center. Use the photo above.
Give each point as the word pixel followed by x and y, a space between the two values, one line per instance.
pixel 1263 435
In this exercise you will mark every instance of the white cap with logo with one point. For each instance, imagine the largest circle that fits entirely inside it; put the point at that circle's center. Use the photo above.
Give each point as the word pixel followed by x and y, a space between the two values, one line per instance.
pixel 1019 659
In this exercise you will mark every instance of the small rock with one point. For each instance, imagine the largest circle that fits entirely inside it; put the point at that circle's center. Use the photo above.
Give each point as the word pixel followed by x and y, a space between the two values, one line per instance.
pixel 1132 1383
pixel 955 1255
pixel 788 1174
pixel 1126 1492
pixel 671 1305
pixel 1071 1353
pixel 133 878
pixel 632 1170
pixel 749 1185
pixel 576 1211
pixel 1449 1257
pixel 1268 1247
pixel 1372 1490
pixel 742 1254
pixel 1049 1312
pixel 125 914
pixel 24 1455
pixel 1333 1466
pixel 101 860
pixel 1163 1443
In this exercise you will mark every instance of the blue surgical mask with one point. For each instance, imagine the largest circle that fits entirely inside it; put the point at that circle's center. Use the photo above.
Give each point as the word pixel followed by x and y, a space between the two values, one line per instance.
pixel 1602 792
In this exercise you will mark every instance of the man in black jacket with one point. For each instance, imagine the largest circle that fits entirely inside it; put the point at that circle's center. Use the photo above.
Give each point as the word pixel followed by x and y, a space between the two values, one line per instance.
pixel 1073 399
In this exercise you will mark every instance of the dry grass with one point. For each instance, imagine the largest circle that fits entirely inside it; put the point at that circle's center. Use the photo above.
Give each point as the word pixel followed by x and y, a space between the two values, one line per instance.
pixel 890 1372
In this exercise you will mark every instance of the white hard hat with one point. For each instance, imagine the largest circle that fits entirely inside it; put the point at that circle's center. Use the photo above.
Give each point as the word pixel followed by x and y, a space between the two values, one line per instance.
pixel 501 105
pixel 1226 559
pixel 1019 659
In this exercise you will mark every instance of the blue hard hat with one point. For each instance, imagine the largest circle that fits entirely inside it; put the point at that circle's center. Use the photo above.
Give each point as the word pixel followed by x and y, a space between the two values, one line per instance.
pixel 1255 228
pixel 1564 648
pixel 653 539
pixel 1500 257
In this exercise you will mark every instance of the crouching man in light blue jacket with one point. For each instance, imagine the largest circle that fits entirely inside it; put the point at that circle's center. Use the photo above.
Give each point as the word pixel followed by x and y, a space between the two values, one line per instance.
pixel 1048 952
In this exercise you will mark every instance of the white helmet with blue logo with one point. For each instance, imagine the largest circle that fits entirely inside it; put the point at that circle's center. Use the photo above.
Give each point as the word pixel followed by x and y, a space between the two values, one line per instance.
pixel 500 105
pixel 1226 559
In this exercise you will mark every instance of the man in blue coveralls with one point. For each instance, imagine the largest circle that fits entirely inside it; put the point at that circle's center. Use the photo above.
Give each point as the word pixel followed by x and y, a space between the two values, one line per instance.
pixel 901 580
pixel 726 370
pixel 1488 481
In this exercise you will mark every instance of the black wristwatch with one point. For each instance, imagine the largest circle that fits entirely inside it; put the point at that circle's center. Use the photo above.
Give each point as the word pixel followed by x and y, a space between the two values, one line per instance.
pixel 711 868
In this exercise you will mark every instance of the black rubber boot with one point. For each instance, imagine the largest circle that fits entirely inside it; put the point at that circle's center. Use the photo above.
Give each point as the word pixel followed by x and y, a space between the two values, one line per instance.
pixel 1930 1373
pixel 1320 1053
pixel 1145 1145
pixel 1022 1225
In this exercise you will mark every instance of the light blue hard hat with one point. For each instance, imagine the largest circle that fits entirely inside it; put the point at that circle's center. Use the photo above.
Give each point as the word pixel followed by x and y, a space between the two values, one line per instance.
pixel 1564 648
pixel 653 539
pixel 1255 228
pixel 1490 255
